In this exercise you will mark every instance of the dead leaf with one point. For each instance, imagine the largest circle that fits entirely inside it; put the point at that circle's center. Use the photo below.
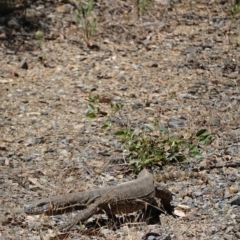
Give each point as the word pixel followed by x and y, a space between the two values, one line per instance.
pixel 183 207
pixel 78 126
pixel 105 99
pixel 179 213
pixel 94 163
pixel 35 182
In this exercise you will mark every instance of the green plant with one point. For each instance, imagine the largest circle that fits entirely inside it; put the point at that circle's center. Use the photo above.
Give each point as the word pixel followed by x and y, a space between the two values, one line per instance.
pixel 93 111
pixel 39 36
pixel 234 8
pixel 151 144
pixel 142 6
pixel 86 16
pixel 93 98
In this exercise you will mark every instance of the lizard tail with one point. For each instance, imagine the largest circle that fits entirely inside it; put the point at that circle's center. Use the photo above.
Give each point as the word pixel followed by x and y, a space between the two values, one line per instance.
pixel 180 175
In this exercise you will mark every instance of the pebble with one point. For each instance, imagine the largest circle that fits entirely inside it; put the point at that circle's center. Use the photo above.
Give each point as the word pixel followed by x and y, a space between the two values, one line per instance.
pixel 136 105
pixel 124 87
pixel 235 201
pixel 175 123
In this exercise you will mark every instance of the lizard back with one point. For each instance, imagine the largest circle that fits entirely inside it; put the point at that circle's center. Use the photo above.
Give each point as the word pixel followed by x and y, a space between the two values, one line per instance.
pixel 180 175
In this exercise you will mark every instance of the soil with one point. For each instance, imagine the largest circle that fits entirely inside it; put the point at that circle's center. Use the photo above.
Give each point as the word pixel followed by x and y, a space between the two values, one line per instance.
pixel 176 63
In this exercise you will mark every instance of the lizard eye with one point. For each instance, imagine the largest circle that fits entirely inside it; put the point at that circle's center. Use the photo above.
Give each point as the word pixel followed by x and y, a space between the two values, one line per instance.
pixel 44 207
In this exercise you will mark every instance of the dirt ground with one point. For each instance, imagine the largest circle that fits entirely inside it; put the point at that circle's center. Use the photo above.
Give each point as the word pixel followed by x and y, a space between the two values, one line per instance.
pixel 178 63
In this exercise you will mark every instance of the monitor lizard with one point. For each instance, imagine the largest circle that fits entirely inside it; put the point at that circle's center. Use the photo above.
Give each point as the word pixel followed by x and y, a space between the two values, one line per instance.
pixel 124 198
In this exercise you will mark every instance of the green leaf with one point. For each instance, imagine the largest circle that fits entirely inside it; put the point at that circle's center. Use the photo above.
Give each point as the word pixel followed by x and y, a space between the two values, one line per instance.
pixel 116 106
pixel 91 108
pixel 142 156
pixel 90 115
pixel 102 113
pixel 205 139
pixel 184 143
pixel 149 160
pixel 131 133
pixel 193 148
pixel 195 154
pixel 163 129
pixel 108 123
pixel 93 98
pixel 180 157
pixel 149 126
pixel 120 133
pixel 138 144
pixel 201 132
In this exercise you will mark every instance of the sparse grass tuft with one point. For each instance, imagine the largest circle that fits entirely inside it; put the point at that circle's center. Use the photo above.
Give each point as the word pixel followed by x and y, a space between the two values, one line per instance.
pixel 39 36
pixel 85 15
pixel 234 8
pixel 142 6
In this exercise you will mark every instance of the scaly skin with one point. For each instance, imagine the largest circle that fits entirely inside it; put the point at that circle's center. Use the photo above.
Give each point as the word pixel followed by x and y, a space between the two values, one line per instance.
pixel 124 198
pixel 180 175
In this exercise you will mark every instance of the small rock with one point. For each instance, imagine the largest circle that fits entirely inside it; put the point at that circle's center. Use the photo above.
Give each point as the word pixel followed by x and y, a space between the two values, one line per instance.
pixel 233 75
pixel 233 189
pixel 136 67
pixel 117 99
pixel 150 119
pixel 198 193
pixel 151 237
pixel 30 13
pixel 235 201
pixel 182 238
pixel 232 150
pixel 176 122
pixel 64 153
pixel 95 163
pixel 136 105
pixel 149 109
pixel 215 122
pixel 93 88
pixel 3 29
pixel 13 23
pixel 66 8
pixel 80 85
pixel 24 65
pixel 190 49
pixel 174 190
pixel 124 87
pixel 132 95
pixel 154 101
pixel 183 207
pixel 105 99
pixel 199 71
pixel 27 158
pixel 155 65
pixel 179 213
pixel 228 237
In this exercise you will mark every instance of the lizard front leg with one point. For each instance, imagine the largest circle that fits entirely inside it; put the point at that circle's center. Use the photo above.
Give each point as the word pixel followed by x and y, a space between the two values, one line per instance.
pixel 80 217
pixel 85 214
